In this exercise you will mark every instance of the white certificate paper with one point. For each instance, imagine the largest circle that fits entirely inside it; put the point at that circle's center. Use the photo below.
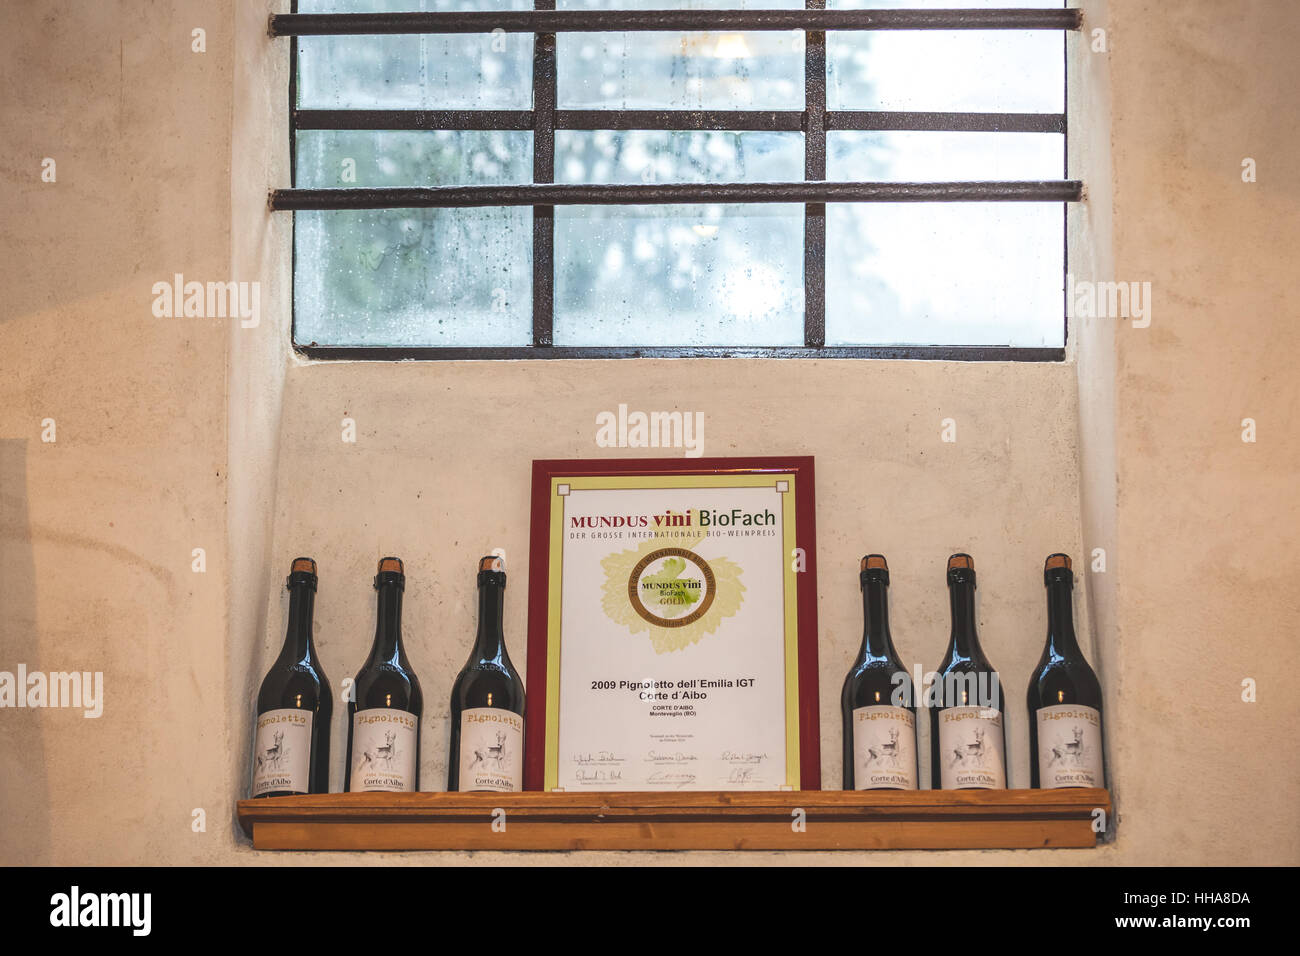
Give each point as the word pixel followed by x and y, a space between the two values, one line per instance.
pixel 672 654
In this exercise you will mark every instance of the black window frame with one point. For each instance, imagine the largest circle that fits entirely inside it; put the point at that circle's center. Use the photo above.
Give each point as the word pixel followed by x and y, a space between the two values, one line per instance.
pixel 815 121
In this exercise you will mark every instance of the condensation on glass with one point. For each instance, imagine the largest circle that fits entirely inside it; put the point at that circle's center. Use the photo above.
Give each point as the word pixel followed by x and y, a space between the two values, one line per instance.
pixel 413 277
pixel 678 275
pixel 975 273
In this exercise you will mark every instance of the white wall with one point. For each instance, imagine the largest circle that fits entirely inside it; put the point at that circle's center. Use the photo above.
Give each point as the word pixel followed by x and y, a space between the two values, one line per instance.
pixel 175 434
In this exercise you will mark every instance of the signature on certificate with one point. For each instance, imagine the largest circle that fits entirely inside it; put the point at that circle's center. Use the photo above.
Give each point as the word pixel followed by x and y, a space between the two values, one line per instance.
pixel 597 757
pixel 597 776
pixel 654 756
pixel 743 756
pixel 665 779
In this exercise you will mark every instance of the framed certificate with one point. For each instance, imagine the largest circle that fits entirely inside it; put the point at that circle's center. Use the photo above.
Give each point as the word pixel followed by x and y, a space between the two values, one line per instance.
pixel 672 625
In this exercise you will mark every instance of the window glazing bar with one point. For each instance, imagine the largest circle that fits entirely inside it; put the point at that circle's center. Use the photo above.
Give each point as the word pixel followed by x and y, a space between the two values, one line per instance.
pixel 949 353
pixel 814 170
pixel 635 194
pixel 946 122
pixel 791 121
pixel 620 21
pixel 543 117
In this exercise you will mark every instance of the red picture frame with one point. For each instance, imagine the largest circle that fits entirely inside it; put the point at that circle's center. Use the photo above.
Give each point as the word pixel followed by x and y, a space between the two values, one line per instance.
pixel 544 471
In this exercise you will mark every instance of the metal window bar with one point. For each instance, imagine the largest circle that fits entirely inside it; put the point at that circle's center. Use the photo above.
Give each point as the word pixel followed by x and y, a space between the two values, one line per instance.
pixel 814 170
pixel 788 121
pixel 814 121
pixel 544 18
pixel 618 194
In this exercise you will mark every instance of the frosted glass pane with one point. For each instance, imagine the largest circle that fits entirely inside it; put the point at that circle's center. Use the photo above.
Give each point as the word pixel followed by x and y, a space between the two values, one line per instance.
pixel 330 158
pixel 680 70
pixel 964 273
pixel 944 274
pixel 679 275
pixel 406 6
pixel 429 71
pixel 679 4
pixel 414 277
pixel 647 156
pixel 933 4
pixel 908 156
pixel 946 70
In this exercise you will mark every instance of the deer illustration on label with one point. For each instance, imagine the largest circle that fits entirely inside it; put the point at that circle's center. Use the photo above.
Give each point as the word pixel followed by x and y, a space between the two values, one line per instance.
pixel 495 753
pixel 271 758
pixel 382 753
pixel 884 751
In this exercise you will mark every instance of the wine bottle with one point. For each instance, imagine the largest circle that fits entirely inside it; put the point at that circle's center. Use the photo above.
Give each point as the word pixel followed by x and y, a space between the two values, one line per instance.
pixel 487 700
pixel 291 744
pixel 877 701
pixel 384 714
pixel 967 734
pixel 1064 696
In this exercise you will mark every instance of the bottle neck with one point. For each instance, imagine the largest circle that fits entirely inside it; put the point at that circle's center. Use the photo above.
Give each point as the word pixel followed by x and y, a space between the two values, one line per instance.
pixel 490 643
pixel 964 643
pixel 1061 640
pixel 298 645
pixel 876 641
pixel 388 628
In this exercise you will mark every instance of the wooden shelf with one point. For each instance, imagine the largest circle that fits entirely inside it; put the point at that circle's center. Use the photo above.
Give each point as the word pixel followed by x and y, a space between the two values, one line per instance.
pixel 730 820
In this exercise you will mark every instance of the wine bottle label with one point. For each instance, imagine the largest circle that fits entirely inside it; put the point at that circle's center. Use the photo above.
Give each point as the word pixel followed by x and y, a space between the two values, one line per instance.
pixel 491 750
pixel 282 752
pixel 970 749
pixel 1069 746
pixel 884 748
pixel 383 751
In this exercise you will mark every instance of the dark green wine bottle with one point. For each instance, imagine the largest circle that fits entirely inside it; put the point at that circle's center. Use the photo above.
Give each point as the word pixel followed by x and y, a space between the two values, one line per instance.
pixel 1064 696
pixel 487 700
pixel 384 715
pixel 967 730
pixel 877 702
pixel 291 749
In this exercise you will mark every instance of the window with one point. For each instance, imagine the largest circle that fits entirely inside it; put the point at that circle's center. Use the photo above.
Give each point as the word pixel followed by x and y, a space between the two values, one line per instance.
pixel 860 179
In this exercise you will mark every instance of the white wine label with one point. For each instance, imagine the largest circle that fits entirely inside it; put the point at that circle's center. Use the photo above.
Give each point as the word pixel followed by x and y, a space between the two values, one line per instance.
pixel 970 749
pixel 491 750
pixel 383 751
pixel 282 752
pixel 1069 747
pixel 884 748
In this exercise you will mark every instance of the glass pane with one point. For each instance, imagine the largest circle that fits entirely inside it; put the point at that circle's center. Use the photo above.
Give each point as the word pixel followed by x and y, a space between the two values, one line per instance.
pixel 680 70
pixel 646 156
pixel 413 277
pixel 679 4
pixel 430 71
pixel 944 274
pixel 1014 71
pixel 328 158
pixel 405 6
pixel 679 275
pixel 941 157
pixel 934 4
